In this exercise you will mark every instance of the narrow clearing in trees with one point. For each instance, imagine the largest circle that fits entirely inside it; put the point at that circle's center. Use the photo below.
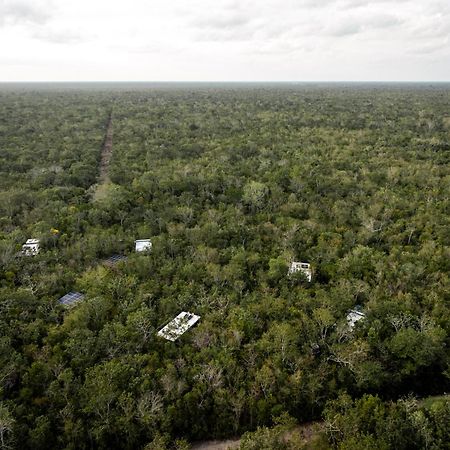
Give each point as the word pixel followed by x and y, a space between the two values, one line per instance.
pixel 305 432
pixel 103 178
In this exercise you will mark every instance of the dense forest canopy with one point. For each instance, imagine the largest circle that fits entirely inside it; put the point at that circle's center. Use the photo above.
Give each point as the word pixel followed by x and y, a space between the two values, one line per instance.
pixel 231 183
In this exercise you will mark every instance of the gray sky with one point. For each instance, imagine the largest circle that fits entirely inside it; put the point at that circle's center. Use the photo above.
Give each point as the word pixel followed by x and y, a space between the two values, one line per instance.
pixel 231 40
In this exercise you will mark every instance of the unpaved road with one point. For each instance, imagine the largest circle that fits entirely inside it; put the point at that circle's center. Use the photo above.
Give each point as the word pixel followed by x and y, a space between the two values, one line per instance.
pixel 106 153
pixel 305 431
pixel 217 445
pixel 103 180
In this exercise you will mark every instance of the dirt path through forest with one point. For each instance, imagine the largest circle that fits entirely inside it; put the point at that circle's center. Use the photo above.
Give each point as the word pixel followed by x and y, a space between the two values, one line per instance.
pixel 106 153
pixel 229 444
pixel 306 431
pixel 103 177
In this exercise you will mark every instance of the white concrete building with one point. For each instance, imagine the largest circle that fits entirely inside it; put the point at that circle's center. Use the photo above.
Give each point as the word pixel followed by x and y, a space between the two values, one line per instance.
pixel 301 267
pixel 31 247
pixel 178 326
pixel 143 245
pixel 354 316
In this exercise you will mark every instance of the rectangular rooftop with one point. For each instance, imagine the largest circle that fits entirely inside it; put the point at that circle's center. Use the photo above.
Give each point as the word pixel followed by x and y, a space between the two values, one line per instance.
pixel 354 316
pixel 303 267
pixel 143 245
pixel 178 326
pixel 31 247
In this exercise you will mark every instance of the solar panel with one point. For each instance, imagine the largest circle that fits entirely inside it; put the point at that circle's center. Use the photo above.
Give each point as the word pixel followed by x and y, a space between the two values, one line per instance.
pixel 71 298
pixel 115 259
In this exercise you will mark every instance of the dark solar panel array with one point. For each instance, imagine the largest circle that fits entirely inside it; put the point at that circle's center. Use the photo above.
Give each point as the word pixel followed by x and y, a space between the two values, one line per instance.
pixel 71 298
pixel 114 259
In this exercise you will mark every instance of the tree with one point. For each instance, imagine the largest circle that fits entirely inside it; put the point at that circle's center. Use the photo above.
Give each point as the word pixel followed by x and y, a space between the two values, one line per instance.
pixel 6 426
pixel 255 194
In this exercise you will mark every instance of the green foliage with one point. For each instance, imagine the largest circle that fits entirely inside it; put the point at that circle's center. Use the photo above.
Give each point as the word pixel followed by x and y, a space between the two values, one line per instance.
pixel 371 423
pixel 6 426
pixel 231 185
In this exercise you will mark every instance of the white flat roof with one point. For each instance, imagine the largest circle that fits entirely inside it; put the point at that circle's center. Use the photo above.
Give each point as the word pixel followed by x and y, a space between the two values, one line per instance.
pixel 178 326
pixel 297 266
pixel 354 316
pixel 32 241
pixel 303 265
pixel 143 245
pixel 31 247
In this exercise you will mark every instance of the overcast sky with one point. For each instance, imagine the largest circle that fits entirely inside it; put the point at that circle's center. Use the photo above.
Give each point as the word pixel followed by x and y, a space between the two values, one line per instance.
pixel 283 40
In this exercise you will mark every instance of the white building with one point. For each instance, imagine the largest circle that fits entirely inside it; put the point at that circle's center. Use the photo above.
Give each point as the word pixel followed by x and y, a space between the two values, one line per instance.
pixel 301 267
pixel 178 326
pixel 354 316
pixel 31 247
pixel 143 245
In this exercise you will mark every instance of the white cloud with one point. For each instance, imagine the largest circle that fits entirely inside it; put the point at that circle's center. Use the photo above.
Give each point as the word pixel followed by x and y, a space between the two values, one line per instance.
pixel 225 39
pixel 24 11
pixel 60 36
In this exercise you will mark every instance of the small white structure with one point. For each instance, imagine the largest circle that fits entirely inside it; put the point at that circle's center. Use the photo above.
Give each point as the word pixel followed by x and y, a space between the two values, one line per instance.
pixel 301 267
pixel 178 326
pixel 31 247
pixel 143 245
pixel 354 316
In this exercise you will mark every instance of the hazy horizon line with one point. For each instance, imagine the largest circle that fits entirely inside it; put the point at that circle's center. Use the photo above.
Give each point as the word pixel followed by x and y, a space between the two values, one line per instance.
pixel 222 81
